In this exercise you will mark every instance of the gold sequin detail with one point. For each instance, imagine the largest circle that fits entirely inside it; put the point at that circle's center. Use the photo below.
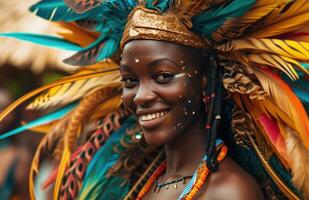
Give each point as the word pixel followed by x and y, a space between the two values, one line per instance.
pixel 150 24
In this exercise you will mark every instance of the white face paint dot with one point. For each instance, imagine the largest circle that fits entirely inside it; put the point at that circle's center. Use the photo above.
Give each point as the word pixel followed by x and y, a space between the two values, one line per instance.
pixel 136 60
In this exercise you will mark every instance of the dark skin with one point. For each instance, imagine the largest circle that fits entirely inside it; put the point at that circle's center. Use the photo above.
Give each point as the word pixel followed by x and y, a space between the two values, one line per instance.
pixel 163 84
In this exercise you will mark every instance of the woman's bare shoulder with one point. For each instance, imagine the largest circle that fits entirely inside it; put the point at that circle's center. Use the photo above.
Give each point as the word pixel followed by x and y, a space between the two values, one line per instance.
pixel 231 182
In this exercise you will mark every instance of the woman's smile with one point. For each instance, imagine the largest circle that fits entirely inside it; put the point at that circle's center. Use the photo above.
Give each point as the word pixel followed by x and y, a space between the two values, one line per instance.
pixel 151 120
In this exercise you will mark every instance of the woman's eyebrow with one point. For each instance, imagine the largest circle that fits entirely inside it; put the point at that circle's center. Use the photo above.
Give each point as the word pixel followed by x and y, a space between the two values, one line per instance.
pixel 158 61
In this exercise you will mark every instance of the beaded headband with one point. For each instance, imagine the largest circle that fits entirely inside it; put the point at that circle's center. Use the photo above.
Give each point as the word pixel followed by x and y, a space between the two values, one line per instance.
pixel 150 24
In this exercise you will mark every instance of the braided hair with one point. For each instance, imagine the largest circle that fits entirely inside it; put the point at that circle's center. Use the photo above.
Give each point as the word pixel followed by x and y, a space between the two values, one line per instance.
pixel 213 106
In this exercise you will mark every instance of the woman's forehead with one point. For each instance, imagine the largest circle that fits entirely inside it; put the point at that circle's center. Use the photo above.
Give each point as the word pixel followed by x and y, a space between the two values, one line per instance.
pixel 141 50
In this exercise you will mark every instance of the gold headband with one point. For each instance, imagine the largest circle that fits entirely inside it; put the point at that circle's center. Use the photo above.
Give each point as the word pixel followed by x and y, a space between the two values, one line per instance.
pixel 150 24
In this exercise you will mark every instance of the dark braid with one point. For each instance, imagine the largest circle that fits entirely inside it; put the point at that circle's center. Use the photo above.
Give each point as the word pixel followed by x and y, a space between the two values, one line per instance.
pixel 213 109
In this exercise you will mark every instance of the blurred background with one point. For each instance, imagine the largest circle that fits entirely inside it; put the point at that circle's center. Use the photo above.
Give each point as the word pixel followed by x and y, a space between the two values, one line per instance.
pixel 23 67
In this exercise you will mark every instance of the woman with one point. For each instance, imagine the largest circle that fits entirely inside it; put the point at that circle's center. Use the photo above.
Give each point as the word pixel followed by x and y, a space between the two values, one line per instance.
pixel 167 99
pixel 171 51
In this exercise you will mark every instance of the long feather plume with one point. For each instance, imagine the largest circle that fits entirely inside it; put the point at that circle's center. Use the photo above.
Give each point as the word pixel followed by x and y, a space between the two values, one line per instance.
pixel 40 121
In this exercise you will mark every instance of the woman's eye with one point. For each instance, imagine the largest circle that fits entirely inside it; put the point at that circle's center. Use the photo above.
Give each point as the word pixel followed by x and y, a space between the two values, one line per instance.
pixel 129 82
pixel 164 77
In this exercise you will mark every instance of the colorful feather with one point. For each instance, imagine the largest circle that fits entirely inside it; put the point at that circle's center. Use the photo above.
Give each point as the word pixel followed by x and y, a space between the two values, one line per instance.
pixel 21 100
pixel 47 143
pixel 40 121
pixel 287 101
pixel 96 175
pixel 70 91
pixel 44 40
pixel 87 105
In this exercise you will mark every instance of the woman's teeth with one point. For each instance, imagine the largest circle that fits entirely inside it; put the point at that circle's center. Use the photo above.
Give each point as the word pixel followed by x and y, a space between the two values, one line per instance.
pixel 152 116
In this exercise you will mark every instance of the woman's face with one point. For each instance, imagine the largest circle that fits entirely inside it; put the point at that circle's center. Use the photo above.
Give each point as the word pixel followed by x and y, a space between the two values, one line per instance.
pixel 162 85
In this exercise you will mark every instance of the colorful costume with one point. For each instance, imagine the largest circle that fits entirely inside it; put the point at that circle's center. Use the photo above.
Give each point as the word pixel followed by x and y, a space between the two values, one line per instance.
pixel 262 53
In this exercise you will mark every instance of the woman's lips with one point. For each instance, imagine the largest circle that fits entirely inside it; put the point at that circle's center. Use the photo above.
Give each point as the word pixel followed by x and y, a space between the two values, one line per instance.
pixel 152 120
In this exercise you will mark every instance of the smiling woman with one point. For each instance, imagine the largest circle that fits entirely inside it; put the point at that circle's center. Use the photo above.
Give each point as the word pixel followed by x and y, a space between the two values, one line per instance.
pixel 163 85
pixel 199 99
pixel 164 89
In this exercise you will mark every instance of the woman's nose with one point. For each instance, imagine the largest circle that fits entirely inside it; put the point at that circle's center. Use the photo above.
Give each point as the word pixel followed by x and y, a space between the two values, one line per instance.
pixel 144 95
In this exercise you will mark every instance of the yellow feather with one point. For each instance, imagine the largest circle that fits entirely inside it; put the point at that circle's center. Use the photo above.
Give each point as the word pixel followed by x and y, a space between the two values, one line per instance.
pixel 73 33
pixel 280 62
pixel 71 91
pixel 53 135
pixel 29 95
pixel 284 48
pixel 61 169
pixel 286 18
pixel 40 129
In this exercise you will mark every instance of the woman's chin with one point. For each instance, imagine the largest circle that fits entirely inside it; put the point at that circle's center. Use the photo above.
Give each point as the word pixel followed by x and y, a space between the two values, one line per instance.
pixel 157 138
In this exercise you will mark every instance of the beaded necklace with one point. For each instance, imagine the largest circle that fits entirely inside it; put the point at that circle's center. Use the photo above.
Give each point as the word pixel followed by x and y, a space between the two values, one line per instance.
pixel 158 186
pixel 197 181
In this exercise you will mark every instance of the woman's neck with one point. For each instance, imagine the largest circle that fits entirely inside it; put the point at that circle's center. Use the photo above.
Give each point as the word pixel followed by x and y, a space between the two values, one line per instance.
pixel 185 153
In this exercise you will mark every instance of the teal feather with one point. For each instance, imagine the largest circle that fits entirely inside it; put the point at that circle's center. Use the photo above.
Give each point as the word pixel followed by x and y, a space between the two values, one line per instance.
pixel 96 185
pixel 40 121
pixel 211 20
pixel 161 5
pixel 109 48
pixel 57 10
pixel 44 40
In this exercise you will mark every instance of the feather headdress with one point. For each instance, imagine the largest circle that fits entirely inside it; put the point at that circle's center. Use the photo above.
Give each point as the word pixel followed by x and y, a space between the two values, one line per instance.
pixel 262 45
